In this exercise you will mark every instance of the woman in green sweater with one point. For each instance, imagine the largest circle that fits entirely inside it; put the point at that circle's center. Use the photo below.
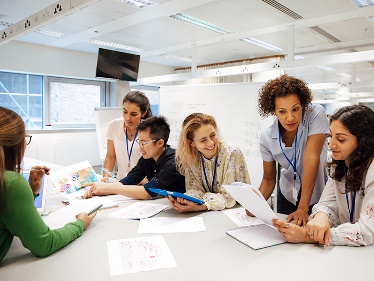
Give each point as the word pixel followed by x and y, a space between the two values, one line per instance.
pixel 18 215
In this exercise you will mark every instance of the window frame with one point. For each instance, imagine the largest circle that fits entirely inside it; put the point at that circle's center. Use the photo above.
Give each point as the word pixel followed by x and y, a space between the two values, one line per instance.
pixel 104 97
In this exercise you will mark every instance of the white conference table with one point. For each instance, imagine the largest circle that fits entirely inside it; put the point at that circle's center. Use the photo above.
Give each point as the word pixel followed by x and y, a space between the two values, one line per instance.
pixel 210 255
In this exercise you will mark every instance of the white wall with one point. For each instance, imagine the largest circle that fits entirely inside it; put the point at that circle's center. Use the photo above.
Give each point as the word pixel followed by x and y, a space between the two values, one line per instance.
pixel 64 148
pixel 37 59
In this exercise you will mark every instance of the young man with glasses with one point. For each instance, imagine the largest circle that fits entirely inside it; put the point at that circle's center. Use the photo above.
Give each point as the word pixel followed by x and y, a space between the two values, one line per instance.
pixel 157 164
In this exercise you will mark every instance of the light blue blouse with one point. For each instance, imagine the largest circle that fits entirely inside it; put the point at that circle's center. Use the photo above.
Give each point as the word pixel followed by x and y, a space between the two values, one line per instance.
pixel 314 121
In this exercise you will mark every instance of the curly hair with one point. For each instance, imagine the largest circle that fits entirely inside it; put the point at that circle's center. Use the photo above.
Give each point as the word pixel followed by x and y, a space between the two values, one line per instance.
pixel 281 87
pixel 359 120
pixel 186 155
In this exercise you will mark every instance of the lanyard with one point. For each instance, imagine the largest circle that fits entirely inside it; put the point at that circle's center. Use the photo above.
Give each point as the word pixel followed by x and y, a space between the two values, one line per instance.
pixel 214 173
pixel 351 210
pixel 289 161
pixel 132 145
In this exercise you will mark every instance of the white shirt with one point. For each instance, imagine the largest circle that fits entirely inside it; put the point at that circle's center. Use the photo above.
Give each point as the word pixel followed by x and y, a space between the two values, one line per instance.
pixel 117 135
pixel 314 121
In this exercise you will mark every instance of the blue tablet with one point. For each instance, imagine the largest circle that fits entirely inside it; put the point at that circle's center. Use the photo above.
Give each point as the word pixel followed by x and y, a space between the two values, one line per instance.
pixel 176 194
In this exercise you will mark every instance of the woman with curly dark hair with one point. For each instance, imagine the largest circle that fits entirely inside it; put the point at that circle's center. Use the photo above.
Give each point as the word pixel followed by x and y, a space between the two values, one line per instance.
pixel 345 213
pixel 297 141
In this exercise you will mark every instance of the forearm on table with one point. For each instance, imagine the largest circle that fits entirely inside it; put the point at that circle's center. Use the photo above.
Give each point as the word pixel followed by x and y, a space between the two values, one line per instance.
pixel 132 191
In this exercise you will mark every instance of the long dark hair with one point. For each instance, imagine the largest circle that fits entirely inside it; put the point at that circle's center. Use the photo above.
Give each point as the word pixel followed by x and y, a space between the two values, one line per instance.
pixel 359 120
pixel 141 100
pixel 12 145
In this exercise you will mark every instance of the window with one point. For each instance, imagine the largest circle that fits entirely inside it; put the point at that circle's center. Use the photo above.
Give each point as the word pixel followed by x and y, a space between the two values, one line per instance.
pixel 40 100
pixel 72 102
pixel 23 93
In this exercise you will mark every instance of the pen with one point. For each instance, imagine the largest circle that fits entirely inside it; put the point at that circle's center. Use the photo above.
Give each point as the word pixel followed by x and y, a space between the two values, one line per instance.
pixel 94 209
pixel 109 173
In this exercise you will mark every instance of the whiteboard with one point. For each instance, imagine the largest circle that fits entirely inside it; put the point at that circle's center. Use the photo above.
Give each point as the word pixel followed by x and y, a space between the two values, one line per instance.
pixel 234 106
pixel 103 116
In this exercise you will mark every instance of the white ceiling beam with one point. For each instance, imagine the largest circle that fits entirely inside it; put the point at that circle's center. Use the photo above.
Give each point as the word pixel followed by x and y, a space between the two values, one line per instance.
pixel 45 16
pixel 362 12
pixel 268 66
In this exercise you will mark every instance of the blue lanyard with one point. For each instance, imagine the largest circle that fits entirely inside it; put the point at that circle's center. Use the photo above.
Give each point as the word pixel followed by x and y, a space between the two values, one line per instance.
pixel 351 211
pixel 132 145
pixel 214 173
pixel 289 161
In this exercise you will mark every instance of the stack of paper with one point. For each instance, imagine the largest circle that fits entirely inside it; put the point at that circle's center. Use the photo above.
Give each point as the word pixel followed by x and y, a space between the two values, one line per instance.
pixel 139 210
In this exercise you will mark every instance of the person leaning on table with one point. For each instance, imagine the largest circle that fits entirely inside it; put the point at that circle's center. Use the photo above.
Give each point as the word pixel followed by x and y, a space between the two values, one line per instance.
pixel 345 213
pixel 18 215
pixel 157 164
pixel 297 141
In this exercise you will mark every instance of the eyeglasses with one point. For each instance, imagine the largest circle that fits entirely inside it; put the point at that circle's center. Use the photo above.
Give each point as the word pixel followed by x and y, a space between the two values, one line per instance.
pixel 28 139
pixel 142 144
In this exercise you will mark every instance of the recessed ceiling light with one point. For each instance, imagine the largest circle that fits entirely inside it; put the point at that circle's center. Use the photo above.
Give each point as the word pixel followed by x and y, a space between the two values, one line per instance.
pixel 49 32
pixel 114 45
pixel 176 57
pixel 363 3
pixel 198 22
pixel 261 44
pixel 138 3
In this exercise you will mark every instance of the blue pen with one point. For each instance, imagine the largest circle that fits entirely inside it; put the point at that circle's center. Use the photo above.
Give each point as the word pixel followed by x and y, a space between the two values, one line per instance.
pixel 113 176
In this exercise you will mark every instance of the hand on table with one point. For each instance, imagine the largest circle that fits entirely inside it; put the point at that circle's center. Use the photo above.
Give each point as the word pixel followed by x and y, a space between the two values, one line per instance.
pixel 87 219
pixel 318 228
pixel 97 189
pixel 183 205
pixel 299 217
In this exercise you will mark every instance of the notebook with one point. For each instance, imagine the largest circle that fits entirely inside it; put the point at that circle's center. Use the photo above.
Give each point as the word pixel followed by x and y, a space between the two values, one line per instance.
pixel 257 236
pixel 40 200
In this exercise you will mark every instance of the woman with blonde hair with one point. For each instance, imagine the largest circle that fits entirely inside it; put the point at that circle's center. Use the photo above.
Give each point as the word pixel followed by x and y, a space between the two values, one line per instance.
pixel 18 215
pixel 207 163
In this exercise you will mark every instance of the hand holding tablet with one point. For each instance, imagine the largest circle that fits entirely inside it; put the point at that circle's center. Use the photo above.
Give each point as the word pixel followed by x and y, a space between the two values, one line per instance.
pixel 176 194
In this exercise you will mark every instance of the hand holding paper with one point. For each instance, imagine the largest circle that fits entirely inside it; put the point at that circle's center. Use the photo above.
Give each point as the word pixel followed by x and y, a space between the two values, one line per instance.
pixel 251 199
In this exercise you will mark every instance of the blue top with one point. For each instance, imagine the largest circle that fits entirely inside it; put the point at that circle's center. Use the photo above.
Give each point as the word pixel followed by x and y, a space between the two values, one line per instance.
pixel 314 121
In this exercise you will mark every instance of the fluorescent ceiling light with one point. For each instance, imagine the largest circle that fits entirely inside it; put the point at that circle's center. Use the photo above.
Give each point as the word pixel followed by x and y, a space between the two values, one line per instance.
pixel 298 57
pixel 138 3
pixel 323 101
pixel 49 32
pixel 261 44
pixel 195 21
pixel 114 45
pixel 327 68
pixel 344 74
pixel 176 57
pixel 363 3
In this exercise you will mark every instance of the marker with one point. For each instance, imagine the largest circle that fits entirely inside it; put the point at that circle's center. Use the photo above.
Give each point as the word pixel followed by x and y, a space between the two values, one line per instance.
pixel 95 209
pixel 109 173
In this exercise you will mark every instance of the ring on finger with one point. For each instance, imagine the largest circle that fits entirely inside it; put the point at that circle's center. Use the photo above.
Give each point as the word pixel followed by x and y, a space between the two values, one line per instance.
pixel 287 225
pixel 311 234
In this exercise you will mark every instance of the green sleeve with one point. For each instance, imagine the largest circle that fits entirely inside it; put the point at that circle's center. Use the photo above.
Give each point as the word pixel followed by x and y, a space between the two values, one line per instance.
pixel 22 220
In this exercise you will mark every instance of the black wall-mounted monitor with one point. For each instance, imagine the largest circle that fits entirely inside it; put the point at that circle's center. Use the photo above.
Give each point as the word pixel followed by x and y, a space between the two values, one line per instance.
pixel 117 65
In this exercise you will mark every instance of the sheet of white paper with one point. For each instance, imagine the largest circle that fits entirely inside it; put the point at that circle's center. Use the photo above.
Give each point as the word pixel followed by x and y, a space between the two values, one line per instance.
pixel 119 199
pixel 251 199
pixel 171 225
pixel 240 218
pixel 67 214
pixel 68 180
pixel 139 254
pixel 139 210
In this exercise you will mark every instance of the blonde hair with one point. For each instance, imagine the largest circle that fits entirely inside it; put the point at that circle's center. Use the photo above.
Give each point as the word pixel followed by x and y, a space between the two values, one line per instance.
pixel 12 144
pixel 187 155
